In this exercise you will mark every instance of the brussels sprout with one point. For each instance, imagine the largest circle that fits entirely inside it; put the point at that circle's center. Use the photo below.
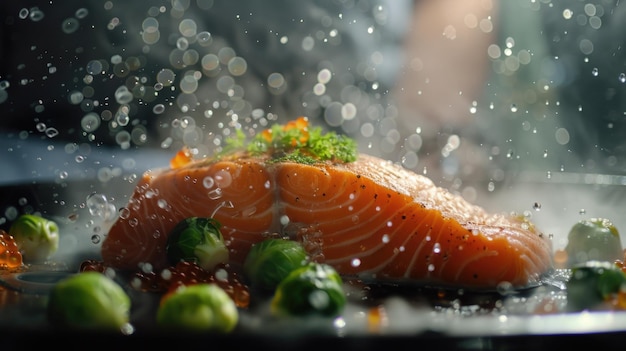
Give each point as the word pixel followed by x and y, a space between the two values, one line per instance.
pixel 88 300
pixel 593 239
pixel 198 240
pixel 37 238
pixel 314 289
pixel 592 283
pixel 198 307
pixel 271 260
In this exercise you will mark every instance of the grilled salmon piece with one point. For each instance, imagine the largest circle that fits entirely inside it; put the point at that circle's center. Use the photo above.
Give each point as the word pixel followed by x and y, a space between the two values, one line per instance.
pixel 369 218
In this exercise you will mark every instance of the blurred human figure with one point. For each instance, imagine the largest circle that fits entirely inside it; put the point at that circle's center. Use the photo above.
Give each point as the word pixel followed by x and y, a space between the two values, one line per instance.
pixel 503 90
pixel 446 68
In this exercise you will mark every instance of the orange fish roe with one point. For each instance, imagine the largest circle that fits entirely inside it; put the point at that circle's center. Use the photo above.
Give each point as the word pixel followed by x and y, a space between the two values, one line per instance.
pixel 182 158
pixel 10 256
pixel 301 123
pixel 377 319
pixel 621 265
pixel 619 301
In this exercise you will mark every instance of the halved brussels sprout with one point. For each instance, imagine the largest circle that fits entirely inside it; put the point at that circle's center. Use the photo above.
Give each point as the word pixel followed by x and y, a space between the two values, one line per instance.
pixel 37 238
pixel 88 300
pixel 314 289
pixel 592 283
pixel 198 240
pixel 271 260
pixel 199 307
pixel 593 239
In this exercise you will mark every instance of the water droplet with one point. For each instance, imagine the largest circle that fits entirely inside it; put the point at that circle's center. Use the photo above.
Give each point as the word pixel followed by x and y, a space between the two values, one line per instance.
pixel 595 72
pixel 537 206
pixel 73 217
pixel 95 239
pixel 582 211
pixel 51 132
pixel 223 179
pixel 70 25
pixel 127 329
pixel 284 220
pixel 124 213
pixel 505 288
pixel 123 95
pixel 158 109
pixel 237 66
pixel 208 182
pixel 215 193
pixel 622 77
pixel 182 43
pixel 36 14
pixel 431 267
pixel 81 13
pixel 355 262
pixel 162 203
pixel 23 14
pixel 99 206
pixel 90 122
pixel 385 238
pixel 437 248
pixel 204 38
pixel 146 267
pixel 121 117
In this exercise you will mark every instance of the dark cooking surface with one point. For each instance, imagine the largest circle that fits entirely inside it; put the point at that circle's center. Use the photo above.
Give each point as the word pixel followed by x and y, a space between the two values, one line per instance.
pixel 23 325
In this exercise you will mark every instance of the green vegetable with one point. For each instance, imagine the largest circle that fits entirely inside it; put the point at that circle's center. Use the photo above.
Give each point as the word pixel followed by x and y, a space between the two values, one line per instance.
pixel 592 283
pixel 593 239
pixel 271 260
pixel 199 307
pixel 315 289
pixel 88 300
pixel 36 237
pixel 295 141
pixel 198 240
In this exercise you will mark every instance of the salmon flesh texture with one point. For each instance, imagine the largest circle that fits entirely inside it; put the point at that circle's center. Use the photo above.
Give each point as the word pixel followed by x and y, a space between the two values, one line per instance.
pixel 370 218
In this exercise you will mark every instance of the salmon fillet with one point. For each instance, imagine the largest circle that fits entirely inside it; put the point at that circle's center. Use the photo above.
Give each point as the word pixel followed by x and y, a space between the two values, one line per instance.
pixel 369 218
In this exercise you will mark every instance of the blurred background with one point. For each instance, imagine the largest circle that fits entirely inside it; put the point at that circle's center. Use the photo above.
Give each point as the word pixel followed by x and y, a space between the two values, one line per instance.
pixel 515 105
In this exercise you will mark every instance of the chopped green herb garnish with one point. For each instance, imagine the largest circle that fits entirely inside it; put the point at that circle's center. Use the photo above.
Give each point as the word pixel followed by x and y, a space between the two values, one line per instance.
pixel 296 142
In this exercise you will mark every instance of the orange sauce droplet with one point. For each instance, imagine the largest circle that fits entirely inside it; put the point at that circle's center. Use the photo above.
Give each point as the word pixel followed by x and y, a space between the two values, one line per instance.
pixel 183 157
pixel 10 256
pixel 377 318
pixel 560 259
